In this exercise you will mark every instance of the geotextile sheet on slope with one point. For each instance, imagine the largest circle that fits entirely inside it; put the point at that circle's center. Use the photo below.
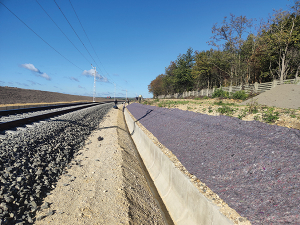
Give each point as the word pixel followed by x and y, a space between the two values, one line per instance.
pixel 252 166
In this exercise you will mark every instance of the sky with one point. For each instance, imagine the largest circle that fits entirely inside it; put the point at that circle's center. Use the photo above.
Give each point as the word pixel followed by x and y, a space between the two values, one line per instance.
pixel 56 45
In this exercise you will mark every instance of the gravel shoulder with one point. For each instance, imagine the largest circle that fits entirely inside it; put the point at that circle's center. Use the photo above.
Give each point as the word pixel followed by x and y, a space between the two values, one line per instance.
pixel 104 184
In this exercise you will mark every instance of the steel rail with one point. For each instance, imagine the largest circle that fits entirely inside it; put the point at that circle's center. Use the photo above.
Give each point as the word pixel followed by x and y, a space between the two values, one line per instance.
pixel 38 108
pixel 21 122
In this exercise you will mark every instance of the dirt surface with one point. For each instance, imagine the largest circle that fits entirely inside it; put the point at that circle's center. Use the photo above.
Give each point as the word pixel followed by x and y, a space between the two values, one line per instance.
pixel 105 183
pixel 10 95
pixel 282 96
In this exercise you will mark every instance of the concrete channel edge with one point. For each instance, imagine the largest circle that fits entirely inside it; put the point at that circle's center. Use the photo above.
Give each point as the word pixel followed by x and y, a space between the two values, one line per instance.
pixel 184 202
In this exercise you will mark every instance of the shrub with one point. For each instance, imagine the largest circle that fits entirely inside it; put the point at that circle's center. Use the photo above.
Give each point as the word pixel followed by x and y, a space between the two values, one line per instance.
pixel 253 106
pixel 219 93
pixel 225 110
pixel 270 116
pixel 240 95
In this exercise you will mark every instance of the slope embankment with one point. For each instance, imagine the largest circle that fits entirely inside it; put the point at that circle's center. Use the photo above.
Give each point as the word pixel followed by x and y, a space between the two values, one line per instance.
pixel 252 166
pixel 282 96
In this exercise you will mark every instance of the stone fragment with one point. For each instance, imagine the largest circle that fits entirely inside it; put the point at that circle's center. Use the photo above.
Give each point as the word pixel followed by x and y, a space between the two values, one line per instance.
pixel 45 205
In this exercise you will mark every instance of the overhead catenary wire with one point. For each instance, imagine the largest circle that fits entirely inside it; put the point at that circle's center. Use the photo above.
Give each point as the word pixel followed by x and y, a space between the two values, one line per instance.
pixel 50 44
pixel 88 38
pixel 79 37
pixel 62 31
pixel 75 32
pixel 40 36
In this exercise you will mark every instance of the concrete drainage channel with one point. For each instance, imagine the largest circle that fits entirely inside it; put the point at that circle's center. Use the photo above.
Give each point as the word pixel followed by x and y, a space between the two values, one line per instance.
pixel 186 205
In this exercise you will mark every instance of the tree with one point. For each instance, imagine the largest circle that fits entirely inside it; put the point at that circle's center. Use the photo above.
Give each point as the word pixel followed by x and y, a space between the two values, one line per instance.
pixel 183 71
pixel 281 33
pixel 231 34
pixel 169 81
pixel 156 86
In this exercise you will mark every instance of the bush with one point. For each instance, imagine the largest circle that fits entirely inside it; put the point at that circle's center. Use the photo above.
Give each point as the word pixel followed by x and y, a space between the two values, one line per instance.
pixel 226 110
pixel 240 95
pixel 219 93
pixel 269 117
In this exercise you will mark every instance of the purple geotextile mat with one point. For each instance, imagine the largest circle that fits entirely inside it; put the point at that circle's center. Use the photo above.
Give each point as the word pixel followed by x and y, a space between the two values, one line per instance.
pixel 254 167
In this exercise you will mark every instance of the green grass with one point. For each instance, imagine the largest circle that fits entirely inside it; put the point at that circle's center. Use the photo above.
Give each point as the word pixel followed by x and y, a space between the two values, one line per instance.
pixel 240 95
pixel 219 93
pixel 225 110
pixel 270 116
pixel 243 114
pixel 223 103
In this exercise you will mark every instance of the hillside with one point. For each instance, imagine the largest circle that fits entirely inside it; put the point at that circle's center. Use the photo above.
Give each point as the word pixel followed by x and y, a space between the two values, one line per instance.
pixel 11 95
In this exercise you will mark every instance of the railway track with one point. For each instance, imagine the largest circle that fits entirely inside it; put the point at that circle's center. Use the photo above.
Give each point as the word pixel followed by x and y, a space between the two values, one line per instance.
pixel 33 158
pixel 10 119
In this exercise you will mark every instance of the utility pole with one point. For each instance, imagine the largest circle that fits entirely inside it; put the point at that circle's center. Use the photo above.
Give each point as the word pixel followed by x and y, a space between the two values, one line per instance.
pixel 94 94
pixel 115 92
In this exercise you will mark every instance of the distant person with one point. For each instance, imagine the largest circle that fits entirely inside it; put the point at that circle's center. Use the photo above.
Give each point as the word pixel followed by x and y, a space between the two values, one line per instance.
pixel 116 102
pixel 140 98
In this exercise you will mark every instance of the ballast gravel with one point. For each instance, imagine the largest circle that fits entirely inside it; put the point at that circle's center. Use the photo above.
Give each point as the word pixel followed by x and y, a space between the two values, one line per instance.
pixel 254 167
pixel 32 159
pixel 31 114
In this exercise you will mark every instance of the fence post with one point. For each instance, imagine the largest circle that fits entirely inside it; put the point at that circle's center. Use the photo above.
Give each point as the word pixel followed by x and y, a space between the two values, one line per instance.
pixel 230 88
pixel 274 84
pixel 255 87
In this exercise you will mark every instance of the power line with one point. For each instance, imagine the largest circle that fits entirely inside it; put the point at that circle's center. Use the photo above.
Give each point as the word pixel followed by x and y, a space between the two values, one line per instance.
pixel 87 36
pixel 63 32
pixel 75 32
pixel 40 36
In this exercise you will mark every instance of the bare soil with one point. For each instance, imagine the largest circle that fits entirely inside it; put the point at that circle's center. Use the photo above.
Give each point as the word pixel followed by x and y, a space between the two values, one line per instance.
pixel 105 183
pixel 11 95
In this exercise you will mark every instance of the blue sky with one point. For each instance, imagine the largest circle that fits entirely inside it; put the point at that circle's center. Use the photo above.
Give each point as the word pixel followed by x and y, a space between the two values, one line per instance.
pixel 132 41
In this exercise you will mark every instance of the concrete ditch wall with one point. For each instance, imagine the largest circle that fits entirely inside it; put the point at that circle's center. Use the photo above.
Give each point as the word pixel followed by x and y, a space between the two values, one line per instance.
pixel 184 202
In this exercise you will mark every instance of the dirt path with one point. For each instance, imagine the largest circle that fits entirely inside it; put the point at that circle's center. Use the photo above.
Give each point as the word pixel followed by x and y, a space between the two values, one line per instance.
pixel 104 184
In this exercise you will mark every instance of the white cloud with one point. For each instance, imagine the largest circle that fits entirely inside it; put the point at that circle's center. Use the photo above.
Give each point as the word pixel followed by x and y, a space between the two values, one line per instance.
pixel 46 76
pixel 91 72
pixel 36 71
pixel 30 67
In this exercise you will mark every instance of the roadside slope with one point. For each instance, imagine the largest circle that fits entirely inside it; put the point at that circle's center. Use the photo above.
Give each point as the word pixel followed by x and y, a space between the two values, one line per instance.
pixel 282 96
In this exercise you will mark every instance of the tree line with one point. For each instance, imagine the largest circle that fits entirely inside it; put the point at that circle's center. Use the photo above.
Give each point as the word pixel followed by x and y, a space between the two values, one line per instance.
pixel 238 56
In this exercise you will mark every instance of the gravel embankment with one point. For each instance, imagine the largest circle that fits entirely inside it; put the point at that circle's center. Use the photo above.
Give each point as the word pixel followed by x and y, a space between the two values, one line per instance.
pixel 252 166
pixel 32 159
pixel 31 114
